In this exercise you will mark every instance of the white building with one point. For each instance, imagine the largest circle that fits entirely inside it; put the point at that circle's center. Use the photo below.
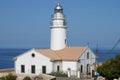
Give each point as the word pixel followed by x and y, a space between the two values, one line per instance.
pixel 58 57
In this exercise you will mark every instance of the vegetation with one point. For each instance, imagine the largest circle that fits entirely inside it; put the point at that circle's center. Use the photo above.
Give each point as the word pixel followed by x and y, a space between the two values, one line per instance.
pixel 27 78
pixel 58 74
pixel 9 77
pixel 2 78
pixel 110 68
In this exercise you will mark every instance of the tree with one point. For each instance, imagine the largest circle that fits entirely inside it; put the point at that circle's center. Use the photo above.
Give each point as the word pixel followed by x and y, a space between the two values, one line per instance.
pixel 110 68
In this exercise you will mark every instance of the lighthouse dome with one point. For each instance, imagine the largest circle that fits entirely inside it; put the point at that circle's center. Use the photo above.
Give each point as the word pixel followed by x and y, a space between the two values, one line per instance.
pixel 58 8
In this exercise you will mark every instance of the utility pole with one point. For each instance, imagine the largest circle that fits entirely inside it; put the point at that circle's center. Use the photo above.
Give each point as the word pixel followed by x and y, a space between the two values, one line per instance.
pixel 95 76
pixel 96 55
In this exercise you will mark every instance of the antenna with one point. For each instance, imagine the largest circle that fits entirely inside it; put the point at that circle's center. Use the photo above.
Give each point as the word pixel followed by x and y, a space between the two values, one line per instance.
pixel 96 57
pixel 58 2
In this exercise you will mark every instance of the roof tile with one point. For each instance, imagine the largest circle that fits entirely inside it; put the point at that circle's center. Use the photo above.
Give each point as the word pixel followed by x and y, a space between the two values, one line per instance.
pixel 68 53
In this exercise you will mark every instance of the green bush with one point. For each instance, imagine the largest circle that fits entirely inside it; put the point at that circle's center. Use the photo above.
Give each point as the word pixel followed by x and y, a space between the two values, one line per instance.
pixel 110 69
pixel 11 77
pixel 27 78
pixel 58 74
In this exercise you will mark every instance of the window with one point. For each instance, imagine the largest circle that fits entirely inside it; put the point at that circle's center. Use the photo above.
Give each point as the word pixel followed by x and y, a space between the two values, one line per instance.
pixel 58 68
pixel 64 23
pixel 79 61
pixel 33 55
pixel 88 55
pixel 88 70
pixel 22 68
pixel 65 41
pixel 81 69
pixel 58 10
pixel 44 69
pixel 33 69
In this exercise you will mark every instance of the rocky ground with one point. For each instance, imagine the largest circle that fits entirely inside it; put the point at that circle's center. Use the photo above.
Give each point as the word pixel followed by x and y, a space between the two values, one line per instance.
pixel 5 72
pixel 71 79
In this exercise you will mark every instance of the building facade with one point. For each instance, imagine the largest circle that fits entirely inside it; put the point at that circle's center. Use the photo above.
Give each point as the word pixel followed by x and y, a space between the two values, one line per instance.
pixel 37 61
pixel 59 57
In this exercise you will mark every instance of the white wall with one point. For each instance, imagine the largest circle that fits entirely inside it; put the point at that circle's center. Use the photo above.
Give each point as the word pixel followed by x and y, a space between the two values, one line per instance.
pixel 57 63
pixel 39 60
pixel 69 64
pixel 84 61
pixel 58 37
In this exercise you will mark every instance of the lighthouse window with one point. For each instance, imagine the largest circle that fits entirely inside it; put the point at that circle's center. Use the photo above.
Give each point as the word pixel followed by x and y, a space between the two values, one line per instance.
pixel 58 10
pixel 65 41
pixel 64 23
pixel 33 55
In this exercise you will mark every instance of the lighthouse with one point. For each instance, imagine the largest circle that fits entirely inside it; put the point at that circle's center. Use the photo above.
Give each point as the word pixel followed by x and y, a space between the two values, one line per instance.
pixel 58 57
pixel 58 29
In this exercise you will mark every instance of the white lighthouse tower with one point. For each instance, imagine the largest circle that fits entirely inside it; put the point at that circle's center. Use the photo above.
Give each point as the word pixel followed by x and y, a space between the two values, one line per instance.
pixel 58 29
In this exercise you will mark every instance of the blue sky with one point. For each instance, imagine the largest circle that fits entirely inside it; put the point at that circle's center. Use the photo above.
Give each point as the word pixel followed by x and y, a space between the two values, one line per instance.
pixel 25 23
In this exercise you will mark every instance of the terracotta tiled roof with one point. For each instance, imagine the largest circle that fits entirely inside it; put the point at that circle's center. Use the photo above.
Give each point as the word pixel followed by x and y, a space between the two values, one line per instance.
pixel 68 53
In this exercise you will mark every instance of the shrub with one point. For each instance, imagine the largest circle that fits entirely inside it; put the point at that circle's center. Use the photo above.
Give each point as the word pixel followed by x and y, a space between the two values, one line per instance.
pixel 27 78
pixel 110 68
pixel 58 74
pixel 11 77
